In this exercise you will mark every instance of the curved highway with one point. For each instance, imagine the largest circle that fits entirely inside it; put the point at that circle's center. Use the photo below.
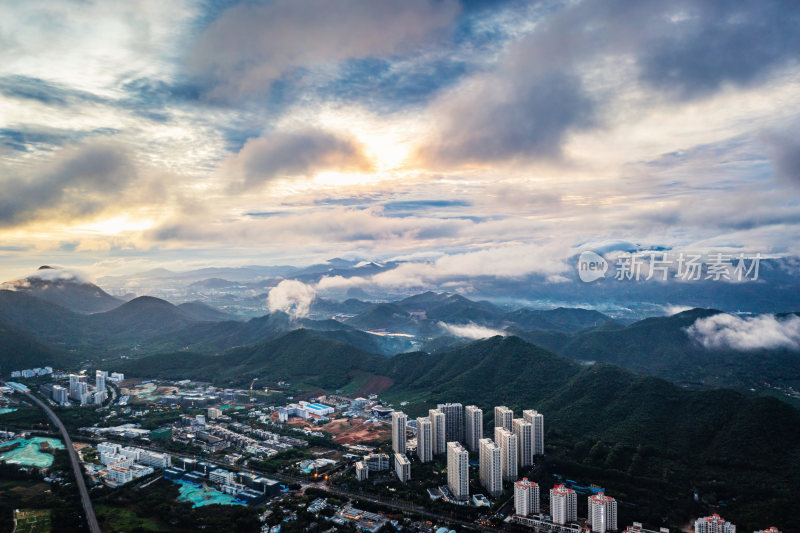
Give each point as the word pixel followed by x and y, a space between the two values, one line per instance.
pixel 91 519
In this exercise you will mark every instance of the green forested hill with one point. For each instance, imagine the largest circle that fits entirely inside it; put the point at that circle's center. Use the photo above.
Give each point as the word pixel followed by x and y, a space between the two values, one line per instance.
pixel 652 443
pixel 17 350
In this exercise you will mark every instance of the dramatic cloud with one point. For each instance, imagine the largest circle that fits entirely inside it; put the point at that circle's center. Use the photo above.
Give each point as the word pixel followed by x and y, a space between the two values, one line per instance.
pixel 300 153
pixel 470 331
pixel 78 181
pixel 251 45
pixel 292 297
pixel 487 139
pixel 749 333
pixel 523 118
pixel 695 48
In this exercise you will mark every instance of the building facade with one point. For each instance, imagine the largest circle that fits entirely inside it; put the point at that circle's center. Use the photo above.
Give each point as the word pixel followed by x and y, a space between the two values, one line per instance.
pixel 453 421
pixel 458 470
pixel 526 497
pixel 537 421
pixel 503 417
pixel 563 505
pixel 491 468
pixel 402 467
pixel 424 439
pixel 524 432
pixel 399 420
pixel 362 472
pixel 474 427
pixel 438 431
pixel 377 462
pixel 507 442
pixel 713 524
pixel 602 513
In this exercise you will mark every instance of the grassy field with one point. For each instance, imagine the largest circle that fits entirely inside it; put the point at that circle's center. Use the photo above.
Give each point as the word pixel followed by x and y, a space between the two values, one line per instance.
pixel 32 520
pixel 120 519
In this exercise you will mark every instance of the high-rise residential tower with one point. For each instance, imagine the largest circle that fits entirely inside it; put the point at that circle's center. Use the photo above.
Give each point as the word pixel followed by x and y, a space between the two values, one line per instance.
pixel 453 421
pixel 437 431
pixel 524 432
pixel 507 442
pixel 563 505
pixel 424 439
pixel 537 420
pixel 602 513
pixel 526 497
pixel 399 432
pixel 458 470
pixel 503 417
pixel 474 427
pixel 491 467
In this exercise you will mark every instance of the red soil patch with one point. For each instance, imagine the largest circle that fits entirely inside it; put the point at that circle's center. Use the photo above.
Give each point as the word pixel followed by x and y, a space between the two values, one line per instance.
pixel 355 431
pixel 375 385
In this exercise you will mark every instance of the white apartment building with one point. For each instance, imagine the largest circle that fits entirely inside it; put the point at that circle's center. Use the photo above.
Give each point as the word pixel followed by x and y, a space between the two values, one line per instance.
pixel 537 420
pixel 362 472
pixel 60 395
pixel 524 432
pixel 453 421
pixel 377 462
pixel 503 416
pixel 474 427
pixel 491 468
pixel 563 505
pixel 399 420
pixel 713 524
pixel 458 470
pixel 402 467
pixel 507 442
pixel 526 497
pixel 424 439
pixel 602 513
pixel 438 431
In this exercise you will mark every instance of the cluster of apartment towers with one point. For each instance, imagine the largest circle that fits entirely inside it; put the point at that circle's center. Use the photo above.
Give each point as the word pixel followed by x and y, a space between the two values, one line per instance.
pixel 517 441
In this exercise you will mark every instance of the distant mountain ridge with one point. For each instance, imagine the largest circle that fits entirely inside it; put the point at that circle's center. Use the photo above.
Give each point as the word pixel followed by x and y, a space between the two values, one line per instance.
pixel 662 346
pixel 64 288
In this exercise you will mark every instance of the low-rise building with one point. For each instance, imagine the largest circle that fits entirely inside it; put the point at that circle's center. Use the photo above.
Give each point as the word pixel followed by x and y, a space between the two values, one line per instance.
pixel 362 471
pixel 377 462
pixel 402 467
pixel 713 524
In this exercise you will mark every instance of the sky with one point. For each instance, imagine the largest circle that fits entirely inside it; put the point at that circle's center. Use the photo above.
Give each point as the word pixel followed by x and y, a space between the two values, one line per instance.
pixel 479 137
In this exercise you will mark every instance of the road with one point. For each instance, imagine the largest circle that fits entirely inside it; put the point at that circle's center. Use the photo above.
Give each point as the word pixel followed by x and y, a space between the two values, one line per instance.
pixel 91 518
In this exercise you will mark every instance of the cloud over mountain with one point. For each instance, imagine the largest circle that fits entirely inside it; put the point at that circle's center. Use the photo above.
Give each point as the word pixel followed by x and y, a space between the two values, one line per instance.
pixel 748 333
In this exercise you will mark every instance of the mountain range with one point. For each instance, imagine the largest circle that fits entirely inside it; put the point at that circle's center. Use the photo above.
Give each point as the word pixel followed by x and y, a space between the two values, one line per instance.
pixel 603 422
pixel 609 415
pixel 661 346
